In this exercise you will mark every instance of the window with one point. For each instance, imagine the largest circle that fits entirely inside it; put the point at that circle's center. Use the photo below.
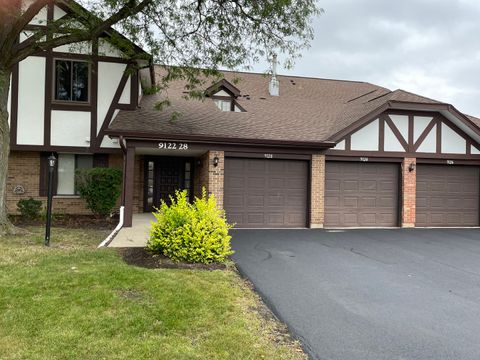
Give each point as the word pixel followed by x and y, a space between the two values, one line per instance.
pixel 67 165
pixel 227 105
pixel 71 80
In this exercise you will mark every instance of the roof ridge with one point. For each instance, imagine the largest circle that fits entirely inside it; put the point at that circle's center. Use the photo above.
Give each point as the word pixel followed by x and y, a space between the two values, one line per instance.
pixel 421 96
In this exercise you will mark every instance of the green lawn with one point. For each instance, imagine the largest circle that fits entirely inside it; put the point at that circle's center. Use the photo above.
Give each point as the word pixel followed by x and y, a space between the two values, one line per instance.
pixel 72 301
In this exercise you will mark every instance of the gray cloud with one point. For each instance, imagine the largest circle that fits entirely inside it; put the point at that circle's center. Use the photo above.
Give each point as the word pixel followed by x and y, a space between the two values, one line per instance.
pixel 424 46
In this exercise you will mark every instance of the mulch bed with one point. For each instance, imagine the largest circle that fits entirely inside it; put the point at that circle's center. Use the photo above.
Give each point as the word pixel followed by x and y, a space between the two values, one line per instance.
pixel 143 258
pixel 69 221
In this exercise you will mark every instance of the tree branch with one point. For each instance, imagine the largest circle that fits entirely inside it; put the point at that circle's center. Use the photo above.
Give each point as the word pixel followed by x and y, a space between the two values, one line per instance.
pixel 96 28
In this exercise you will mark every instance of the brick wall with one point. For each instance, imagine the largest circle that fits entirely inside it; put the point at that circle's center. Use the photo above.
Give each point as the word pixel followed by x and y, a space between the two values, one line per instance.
pixel 317 191
pixel 24 170
pixel 209 176
pixel 409 187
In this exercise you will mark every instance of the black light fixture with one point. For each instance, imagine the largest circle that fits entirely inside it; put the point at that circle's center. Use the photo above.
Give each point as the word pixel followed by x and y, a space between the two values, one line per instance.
pixel 52 161
pixel 412 167
pixel 216 161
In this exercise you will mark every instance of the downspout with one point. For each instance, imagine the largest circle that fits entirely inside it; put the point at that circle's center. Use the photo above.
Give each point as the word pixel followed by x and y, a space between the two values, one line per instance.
pixel 119 226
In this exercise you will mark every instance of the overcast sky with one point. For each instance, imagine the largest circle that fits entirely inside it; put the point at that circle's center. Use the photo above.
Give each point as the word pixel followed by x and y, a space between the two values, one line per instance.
pixel 429 47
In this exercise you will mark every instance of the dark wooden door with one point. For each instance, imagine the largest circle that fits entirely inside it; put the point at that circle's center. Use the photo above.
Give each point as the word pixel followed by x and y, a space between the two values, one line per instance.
pixel 361 194
pixel 447 195
pixel 164 176
pixel 169 177
pixel 266 193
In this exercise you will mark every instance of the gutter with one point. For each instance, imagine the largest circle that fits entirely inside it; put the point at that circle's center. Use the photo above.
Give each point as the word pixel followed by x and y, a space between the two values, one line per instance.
pixel 119 226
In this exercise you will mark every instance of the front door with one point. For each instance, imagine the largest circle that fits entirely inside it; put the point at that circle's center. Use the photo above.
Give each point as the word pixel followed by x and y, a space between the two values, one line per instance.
pixel 163 177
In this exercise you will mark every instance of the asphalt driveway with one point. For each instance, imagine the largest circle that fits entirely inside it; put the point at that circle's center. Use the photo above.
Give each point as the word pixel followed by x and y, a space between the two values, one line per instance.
pixel 370 294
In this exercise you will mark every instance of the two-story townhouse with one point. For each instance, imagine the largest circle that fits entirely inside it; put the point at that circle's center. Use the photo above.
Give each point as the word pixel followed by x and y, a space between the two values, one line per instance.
pixel 62 101
pixel 283 151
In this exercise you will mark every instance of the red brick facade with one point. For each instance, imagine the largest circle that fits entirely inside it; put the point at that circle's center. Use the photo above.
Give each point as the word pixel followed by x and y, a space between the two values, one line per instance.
pixel 409 187
pixel 210 176
pixel 24 171
pixel 317 191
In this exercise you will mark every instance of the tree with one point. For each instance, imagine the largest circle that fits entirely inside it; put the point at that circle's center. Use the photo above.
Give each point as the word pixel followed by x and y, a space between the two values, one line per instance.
pixel 195 38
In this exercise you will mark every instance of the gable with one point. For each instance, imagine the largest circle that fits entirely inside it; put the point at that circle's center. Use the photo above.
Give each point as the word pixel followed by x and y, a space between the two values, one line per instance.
pixel 418 134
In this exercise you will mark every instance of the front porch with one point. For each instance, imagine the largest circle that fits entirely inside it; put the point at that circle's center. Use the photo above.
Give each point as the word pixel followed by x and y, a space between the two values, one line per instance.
pixel 136 235
pixel 152 175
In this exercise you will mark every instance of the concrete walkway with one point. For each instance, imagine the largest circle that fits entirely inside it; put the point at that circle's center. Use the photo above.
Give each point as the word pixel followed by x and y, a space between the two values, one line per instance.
pixel 137 235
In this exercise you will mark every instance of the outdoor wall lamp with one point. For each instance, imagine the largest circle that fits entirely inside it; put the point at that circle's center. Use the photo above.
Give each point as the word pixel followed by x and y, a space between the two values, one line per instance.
pixel 412 167
pixel 216 161
pixel 52 161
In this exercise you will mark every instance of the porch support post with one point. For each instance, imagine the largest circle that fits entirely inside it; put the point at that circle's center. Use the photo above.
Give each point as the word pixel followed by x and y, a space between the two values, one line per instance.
pixel 128 186
pixel 409 189
pixel 317 191
pixel 216 175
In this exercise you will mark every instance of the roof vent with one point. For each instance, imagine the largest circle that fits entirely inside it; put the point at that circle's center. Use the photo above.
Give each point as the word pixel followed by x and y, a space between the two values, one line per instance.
pixel 274 86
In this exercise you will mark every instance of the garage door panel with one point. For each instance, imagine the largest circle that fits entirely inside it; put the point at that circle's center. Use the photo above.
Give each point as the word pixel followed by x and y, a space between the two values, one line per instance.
pixel 274 192
pixel 361 194
pixel 447 196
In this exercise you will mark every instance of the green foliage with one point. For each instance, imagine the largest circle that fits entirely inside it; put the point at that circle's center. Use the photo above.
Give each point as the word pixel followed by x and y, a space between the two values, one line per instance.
pixel 196 232
pixel 30 209
pixel 100 187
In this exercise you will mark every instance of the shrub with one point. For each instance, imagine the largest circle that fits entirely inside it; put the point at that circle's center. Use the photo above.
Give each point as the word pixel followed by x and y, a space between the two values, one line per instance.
pixel 30 209
pixel 196 233
pixel 100 187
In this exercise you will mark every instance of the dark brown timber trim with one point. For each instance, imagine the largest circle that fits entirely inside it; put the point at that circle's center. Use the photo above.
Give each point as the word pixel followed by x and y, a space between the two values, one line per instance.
pixel 151 139
pixel 381 133
pixel 14 107
pixel 396 132
pixel 47 130
pixel 424 134
pixel 439 136
pixel 276 156
pixel 94 95
pixel 361 159
pixel 113 105
pixel 128 185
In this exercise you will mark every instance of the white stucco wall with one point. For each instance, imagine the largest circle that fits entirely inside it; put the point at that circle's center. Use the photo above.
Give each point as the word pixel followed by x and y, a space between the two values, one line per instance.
pixel 340 145
pixel 40 18
pixel 58 13
pixel 70 128
pixel 31 101
pixel 420 123
pixel 391 142
pixel 125 98
pixel 107 49
pixel 84 48
pixel 109 76
pixel 429 145
pixel 452 143
pixel 401 122
pixel 9 101
pixel 366 138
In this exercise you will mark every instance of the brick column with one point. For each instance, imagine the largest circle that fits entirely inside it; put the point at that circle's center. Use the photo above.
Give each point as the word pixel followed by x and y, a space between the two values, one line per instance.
pixel 317 191
pixel 210 176
pixel 409 188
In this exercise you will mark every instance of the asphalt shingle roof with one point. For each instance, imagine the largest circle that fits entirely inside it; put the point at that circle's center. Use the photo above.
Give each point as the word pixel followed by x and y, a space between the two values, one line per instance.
pixel 308 109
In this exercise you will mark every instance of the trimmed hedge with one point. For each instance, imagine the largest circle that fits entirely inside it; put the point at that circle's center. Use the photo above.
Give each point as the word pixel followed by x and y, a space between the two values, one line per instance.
pixel 100 187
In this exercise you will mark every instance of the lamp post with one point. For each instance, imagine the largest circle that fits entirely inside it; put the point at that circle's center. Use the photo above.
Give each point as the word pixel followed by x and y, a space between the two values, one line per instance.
pixel 52 160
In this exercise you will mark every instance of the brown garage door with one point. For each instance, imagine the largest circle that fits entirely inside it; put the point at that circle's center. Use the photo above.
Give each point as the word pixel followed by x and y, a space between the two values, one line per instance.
pixel 447 195
pixel 266 193
pixel 361 194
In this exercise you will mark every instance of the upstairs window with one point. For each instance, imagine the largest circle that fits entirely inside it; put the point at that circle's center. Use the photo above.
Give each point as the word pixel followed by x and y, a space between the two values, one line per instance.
pixel 72 81
pixel 223 95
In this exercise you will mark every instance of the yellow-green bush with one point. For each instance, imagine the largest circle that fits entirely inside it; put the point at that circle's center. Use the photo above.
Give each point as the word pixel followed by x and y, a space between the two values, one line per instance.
pixel 192 232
